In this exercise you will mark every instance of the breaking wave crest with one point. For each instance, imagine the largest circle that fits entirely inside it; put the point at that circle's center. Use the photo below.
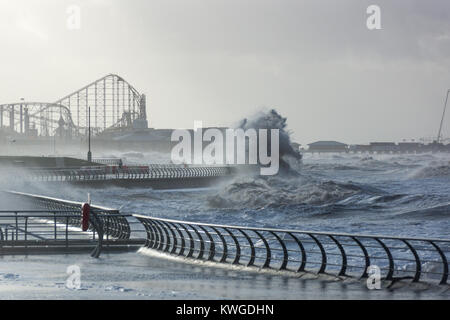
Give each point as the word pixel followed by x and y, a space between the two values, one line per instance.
pixel 289 156
pixel 434 212
pixel 434 169
pixel 260 192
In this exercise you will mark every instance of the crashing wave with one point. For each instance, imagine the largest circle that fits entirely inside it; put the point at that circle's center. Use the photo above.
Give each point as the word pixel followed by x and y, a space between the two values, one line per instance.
pixel 260 192
pixel 289 156
pixel 441 211
pixel 433 170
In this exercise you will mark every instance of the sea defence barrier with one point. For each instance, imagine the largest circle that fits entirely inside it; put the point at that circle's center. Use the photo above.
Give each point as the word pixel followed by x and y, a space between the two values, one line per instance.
pixel 255 248
pixel 296 251
pixel 154 176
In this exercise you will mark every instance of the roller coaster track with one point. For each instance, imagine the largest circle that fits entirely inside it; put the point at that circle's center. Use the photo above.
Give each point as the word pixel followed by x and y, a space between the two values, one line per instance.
pixel 113 101
pixel 111 94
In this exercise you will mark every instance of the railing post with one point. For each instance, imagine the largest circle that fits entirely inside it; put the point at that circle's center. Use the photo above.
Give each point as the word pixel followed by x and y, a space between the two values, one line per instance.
pixel 157 237
pixel 1 240
pixel 212 247
pixel 343 255
pixel 67 232
pixel 301 268
pixel 323 253
pixel 148 233
pixel 26 229
pixel 107 229
pixel 285 252
pixel 54 224
pixel 224 244
pixel 268 252
pixel 390 274
pixel 167 237
pixel 200 239
pixel 161 236
pixel 17 226
pixel 97 225
pixel 366 256
pixel 174 238
pixel 236 243
pixel 252 248
pixel 417 258
pixel 191 243
pixel 444 263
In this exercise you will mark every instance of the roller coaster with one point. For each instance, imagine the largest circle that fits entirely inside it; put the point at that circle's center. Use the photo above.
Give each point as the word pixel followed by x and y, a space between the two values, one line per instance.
pixel 113 103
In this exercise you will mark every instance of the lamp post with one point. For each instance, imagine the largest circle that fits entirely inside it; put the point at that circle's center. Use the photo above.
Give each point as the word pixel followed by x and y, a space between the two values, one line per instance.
pixel 89 154
pixel 21 114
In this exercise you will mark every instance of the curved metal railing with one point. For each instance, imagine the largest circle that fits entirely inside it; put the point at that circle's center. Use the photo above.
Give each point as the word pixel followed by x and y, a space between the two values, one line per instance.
pixel 108 222
pixel 302 251
pixel 67 174
pixel 32 229
pixel 126 172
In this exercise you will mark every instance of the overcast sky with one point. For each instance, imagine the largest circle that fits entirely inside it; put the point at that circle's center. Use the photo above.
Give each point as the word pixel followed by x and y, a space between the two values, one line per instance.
pixel 314 61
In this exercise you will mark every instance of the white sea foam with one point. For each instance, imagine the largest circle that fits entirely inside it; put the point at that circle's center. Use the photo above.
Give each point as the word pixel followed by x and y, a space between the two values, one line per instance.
pixel 258 192
pixel 434 169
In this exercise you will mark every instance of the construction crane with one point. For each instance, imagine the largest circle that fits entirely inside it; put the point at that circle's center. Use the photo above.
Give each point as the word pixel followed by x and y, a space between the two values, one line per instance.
pixel 439 136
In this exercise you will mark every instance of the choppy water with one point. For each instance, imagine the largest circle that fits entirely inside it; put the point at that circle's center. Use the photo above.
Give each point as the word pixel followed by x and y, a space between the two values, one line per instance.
pixel 407 195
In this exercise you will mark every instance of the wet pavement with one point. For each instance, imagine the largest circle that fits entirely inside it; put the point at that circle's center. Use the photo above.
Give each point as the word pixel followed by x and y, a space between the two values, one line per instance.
pixel 138 276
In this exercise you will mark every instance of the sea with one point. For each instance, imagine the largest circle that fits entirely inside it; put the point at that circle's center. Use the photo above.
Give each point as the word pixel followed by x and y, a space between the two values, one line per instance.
pixel 379 194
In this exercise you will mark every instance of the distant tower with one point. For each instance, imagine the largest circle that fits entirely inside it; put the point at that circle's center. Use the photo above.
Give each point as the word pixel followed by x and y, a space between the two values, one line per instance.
pixel 26 121
pixel 89 154
pixel 61 122
pixel 141 122
pixel 11 119
pixel 143 107
pixel 439 136
pixel 60 129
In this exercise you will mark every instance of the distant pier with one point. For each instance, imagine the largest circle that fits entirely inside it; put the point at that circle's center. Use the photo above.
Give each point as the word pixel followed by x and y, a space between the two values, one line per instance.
pixel 377 147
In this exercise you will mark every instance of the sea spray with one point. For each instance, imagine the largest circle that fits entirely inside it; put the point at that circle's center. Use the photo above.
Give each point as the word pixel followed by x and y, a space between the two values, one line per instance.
pixel 434 169
pixel 260 192
pixel 271 119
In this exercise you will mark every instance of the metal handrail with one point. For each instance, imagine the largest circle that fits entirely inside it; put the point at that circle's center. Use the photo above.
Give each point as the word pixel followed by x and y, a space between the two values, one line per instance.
pixel 31 228
pixel 293 230
pixel 127 172
pixel 341 254
pixel 105 221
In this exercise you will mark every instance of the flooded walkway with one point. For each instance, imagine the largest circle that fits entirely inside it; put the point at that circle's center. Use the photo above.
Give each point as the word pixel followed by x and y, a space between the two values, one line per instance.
pixel 137 276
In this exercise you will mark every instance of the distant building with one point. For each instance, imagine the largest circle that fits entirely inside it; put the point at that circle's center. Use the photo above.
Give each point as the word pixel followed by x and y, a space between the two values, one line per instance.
pixel 328 146
pixel 360 148
pixel 382 147
pixel 410 147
